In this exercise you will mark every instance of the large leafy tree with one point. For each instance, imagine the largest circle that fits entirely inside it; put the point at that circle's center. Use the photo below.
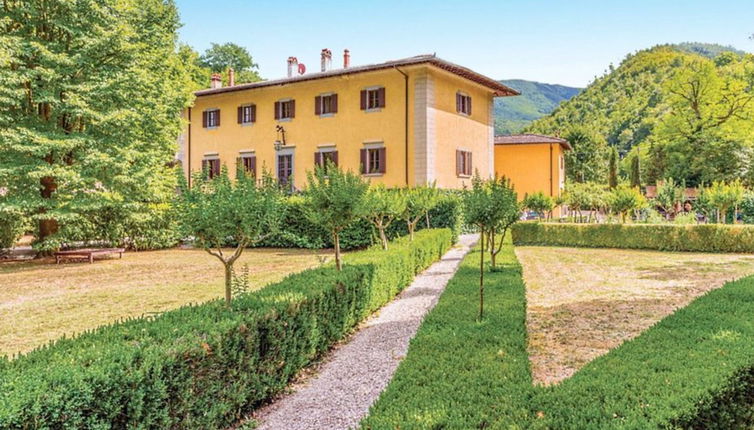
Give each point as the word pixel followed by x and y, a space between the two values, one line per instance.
pixel 220 57
pixel 90 96
pixel 588 160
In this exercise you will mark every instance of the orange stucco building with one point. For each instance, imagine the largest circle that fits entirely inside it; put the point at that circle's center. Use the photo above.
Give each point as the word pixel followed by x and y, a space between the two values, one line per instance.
pixel 532 162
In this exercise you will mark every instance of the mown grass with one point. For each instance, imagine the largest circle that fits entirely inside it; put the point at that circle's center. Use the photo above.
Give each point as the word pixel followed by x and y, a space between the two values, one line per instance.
pixel 694 369
pixel 41 301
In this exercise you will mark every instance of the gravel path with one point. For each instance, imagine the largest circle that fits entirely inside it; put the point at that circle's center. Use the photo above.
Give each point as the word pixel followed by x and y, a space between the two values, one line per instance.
pixel 354 374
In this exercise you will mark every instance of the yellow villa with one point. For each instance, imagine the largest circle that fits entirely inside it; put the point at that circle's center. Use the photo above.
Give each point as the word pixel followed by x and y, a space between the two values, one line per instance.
pixel 407 122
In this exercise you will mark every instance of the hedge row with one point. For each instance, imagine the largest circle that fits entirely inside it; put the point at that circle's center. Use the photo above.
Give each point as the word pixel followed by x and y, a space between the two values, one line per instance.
pixel 692 370
pixel 299 232
pixel 204 366
pixel 698 238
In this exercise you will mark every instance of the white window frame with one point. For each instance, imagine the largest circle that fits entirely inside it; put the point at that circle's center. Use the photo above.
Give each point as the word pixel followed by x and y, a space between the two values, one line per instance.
pixel 370 146
pixel 212 113
pixel 464 103
pixel 245 123
pixel 322 113
pixel 280 111
pixel 376 90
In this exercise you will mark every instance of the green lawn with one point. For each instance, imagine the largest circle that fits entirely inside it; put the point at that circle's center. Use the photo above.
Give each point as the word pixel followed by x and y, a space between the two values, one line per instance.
pixel 41 301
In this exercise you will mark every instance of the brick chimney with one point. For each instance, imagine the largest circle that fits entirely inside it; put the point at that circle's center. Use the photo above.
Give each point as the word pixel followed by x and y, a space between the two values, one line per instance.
pixel 217 81
pixel 326 59
pixel 346 58
pixel 292 66
pixel 231 77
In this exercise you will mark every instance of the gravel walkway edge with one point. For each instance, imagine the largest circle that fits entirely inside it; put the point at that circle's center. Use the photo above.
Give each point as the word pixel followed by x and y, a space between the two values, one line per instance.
pixel 352 376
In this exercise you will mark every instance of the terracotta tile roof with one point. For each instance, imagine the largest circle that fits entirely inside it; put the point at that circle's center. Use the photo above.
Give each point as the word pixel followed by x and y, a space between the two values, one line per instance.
pixel 528 139
pixel 498 89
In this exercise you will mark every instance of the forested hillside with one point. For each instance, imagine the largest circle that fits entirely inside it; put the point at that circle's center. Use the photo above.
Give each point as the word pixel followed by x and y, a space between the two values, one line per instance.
pixel 687 109
pixel 512 114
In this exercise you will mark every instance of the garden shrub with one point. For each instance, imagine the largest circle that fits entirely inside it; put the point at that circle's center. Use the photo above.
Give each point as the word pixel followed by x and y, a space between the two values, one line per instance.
pixel 12 226
pixel 692 370
pixel 205 366
pixel 667 237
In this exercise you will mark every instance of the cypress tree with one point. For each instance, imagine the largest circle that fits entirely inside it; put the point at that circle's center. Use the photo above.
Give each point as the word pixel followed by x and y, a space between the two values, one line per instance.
pixel 636 171
pixel 612 174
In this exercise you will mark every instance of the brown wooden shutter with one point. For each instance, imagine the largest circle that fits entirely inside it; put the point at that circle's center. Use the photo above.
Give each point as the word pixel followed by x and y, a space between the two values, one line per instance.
pixel 459 162
pixel 458 102
pixel 240 114
pixel 318 105
pixel 335 157
pixel 277 110
pixel 253 114
pixel 216 167
pixel 253 163
pixel 217 112
pixel 363 161
pixel 205 167
pixel 381 97
pixel 383 159
pixel 363 99
pixel 334 104
pixel 204 119
pixel 318 159
pixel 468 168
pixel 468 105
pixel 293 108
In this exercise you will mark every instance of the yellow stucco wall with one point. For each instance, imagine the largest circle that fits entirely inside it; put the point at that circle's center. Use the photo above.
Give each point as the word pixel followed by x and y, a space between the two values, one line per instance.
pixel 529 167
pixel 461 132
pixel 350 128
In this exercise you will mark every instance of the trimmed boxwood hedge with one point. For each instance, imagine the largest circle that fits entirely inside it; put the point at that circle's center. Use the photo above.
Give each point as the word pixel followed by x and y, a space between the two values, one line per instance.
pixel 695 238
pixel 692 370
pixel 204 366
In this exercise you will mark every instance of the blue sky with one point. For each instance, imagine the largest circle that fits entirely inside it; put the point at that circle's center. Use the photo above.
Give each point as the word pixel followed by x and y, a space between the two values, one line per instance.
pixel 564 42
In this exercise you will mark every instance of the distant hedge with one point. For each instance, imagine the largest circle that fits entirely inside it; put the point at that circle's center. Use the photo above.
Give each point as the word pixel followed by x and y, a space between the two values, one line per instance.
pixel 698 238
pixel 205 366
pixel 692 370
pixel 298 232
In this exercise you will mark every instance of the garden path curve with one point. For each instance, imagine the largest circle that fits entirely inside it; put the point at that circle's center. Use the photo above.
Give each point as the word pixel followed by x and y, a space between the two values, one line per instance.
pixel 353 375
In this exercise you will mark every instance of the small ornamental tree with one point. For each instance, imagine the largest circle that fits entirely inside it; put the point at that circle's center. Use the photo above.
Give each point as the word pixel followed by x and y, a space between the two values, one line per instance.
pixel 382 207
pixel 624 199
pixel 491 206
pixel 335 199
pixel 419 201
pixel 635 175
pixel 669 195
pixel 724 196
pixel 219 212
pixel 540 203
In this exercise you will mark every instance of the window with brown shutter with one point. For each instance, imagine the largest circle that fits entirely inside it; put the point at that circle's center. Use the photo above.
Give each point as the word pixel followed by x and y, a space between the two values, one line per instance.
pixel 373 98
pixel 463 163
pixel 373 161
pixel 249 164
pixel 211 118
pixel 323 158
pixel 463 103
pixel 211 167
pixel 285 109
pixel 247 114
pixel 326 104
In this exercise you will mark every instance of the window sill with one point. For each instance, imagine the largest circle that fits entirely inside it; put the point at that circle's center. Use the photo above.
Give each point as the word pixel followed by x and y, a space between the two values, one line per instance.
pixel 212 128
pixel 372 175
pixel 372 110
pixel 467 115
pixel 284 120
pixel 327 115
pixel 464 176
pixel 247 124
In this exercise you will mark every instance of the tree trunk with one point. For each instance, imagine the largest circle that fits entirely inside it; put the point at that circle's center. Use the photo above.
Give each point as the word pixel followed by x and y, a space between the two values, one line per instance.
pixel 481 277
pixel 411 227
pixel 336 239
pixel 427 218
pixel 383 237
pixel 47 227
pixel 492 249
pixel 228 282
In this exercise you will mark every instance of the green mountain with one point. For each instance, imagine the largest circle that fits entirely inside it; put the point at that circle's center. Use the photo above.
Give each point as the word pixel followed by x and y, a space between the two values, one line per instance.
pixel 625 104
pixel 513 114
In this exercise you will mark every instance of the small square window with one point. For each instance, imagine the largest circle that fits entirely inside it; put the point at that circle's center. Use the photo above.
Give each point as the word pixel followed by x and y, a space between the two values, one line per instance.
pixel 247 114
pixel 211 167
pixel 373 160
pixel 463 103
pixel 463 163
pixel 212 118
pixel 328 104
pixel 285 109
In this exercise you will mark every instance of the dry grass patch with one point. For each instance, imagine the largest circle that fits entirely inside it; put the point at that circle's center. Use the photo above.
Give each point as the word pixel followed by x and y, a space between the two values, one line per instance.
pixel 582 302
pixel 40 301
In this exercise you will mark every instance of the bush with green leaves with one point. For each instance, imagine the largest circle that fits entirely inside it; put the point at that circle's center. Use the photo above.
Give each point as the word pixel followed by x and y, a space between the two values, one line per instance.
pixel 382 207
pixel 217 212
pixel 540 203
pixel 692 370
pixel 622 200
pixel 669 195
pixel 725 196
pixel 206 366
pixel 419 201
pixel 335 199
pixel 662 237
pixel 588 196
pixel 12 226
